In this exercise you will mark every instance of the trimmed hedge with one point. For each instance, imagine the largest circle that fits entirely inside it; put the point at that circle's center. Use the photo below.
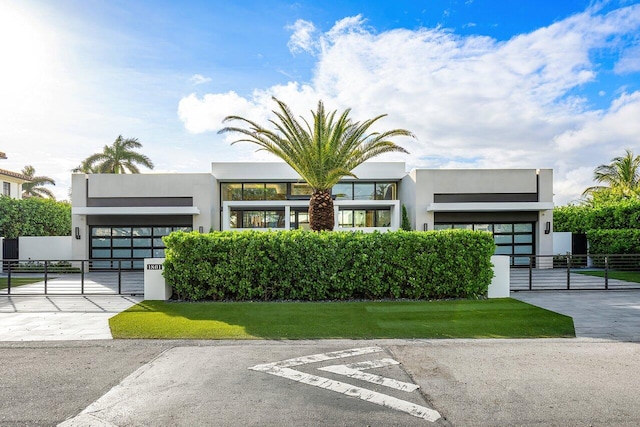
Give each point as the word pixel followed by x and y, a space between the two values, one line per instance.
pixel 303 265
pixel 580 219
pixel 34 217
pixel 614 241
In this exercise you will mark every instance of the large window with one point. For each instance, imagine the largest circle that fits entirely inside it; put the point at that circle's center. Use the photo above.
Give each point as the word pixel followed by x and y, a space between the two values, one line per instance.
pixel 255 218
pixel 365 191
pixel 232 191
pixel 129 244
pixel 348 218
pixel 253 191
pixel 510 238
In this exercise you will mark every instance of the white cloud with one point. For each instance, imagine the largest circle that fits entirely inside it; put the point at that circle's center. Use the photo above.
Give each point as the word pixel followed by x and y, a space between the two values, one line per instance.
pixel 198 79
pixel 302 39
pixel 471 101
pixel 629 61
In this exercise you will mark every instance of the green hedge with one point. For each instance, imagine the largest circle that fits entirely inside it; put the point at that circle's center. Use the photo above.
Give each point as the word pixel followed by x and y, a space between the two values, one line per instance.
pixel 302 265
pixel 34 217
pixel 580 219
pixel 614 241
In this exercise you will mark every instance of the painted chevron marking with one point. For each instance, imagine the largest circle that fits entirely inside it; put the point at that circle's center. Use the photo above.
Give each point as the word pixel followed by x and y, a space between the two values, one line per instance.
pixel 354 370
pixel 283 369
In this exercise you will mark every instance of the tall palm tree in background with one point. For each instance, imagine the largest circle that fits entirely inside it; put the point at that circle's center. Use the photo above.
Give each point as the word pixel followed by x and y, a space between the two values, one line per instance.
pixel 322 152
pixel 35 187
pixel 621 176
pixel 119 157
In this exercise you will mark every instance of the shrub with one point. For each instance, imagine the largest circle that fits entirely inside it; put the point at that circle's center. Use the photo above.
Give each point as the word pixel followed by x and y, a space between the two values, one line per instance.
pixel 580 219
pixel 34 217
pixel 302 265
pixel 614 241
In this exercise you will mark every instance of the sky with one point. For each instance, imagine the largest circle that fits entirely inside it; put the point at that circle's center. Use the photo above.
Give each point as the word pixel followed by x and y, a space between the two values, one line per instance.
pixel 481 83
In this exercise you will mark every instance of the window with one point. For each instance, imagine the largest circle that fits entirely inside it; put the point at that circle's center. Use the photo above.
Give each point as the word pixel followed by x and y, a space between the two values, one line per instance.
pixel 257 219
pixel 386 191
pixel 231 191
pixel 365 191
pixel 343 191
pixel 6 189
pixel 348 218
pixel 301 189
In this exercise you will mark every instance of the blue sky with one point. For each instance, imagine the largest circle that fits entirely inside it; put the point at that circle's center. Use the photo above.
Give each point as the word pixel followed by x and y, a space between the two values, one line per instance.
pixel 481 83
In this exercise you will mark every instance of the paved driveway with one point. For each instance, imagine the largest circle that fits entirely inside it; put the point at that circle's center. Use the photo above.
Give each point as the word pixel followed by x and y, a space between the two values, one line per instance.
pixel 55 318
pixel 596 314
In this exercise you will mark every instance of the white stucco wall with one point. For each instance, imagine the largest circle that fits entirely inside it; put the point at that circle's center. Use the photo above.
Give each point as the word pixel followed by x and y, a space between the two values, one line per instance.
pixel 278 171
pixel 562 243
pixel 45 248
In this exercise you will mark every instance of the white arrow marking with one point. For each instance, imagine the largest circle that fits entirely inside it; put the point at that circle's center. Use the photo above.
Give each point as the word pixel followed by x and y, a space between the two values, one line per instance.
pixel 282 369
pixel 354 370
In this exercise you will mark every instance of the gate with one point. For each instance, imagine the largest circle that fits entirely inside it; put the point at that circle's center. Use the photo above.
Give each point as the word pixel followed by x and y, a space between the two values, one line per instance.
pixel 68 277
pixel 9 251
pixel 577 272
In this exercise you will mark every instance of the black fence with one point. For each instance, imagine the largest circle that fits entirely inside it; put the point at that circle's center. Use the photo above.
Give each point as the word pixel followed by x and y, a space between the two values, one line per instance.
pixel 577 272
pixel 69 277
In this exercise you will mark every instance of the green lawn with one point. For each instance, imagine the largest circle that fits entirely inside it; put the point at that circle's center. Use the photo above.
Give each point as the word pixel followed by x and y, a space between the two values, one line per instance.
pixel 497 318
pixel 629 276
pixel 18 281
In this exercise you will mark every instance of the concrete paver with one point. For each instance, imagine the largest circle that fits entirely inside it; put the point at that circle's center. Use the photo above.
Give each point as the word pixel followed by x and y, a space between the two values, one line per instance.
pixel 53 318
pixel 596 314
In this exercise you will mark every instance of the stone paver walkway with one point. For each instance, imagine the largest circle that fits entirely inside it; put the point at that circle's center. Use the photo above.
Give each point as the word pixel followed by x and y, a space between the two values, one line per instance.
pixel 48 318
pixel 596 314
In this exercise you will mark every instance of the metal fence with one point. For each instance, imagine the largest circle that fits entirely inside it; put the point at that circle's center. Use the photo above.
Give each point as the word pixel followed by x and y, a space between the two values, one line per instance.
pixel 576 272
pixel 70 277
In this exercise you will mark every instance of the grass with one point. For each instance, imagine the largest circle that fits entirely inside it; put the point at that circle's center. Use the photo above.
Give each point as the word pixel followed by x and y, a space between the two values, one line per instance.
pixel 629 276
pixel 18 281
pixel 498 318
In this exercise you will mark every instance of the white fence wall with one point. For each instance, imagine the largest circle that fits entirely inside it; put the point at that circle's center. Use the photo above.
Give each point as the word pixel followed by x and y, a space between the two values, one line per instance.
pixel 561 243
pixel 45 247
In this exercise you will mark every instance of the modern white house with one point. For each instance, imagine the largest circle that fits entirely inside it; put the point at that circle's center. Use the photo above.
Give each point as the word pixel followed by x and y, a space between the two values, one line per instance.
pixel 12 183
pixel 125 216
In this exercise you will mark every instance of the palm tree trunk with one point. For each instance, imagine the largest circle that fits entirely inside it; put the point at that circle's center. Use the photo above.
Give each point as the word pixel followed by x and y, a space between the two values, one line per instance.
pixel 321 211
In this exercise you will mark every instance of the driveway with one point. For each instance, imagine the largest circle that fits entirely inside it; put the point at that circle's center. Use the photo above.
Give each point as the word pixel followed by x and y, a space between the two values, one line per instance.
pixel 55 318
pixel 613 315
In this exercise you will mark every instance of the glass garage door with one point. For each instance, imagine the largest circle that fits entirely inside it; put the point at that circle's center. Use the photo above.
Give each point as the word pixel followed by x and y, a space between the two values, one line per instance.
pixel 129 245
pixel 510 238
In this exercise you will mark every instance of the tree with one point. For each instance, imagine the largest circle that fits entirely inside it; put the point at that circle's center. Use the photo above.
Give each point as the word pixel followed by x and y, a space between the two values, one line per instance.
pixel 321 153
pixel 622 179
pixel 35 187
pixel 119 157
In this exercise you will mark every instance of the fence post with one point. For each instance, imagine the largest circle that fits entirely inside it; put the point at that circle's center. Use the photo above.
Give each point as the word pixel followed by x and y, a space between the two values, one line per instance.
pixel 606 272
pixel 9 278
pixel 46 264
pixel 568 272
pixel 82 277
pixel 119 276
pixel 530 272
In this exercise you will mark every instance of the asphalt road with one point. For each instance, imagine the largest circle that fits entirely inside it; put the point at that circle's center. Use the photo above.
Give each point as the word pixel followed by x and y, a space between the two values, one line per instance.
pixel 468 382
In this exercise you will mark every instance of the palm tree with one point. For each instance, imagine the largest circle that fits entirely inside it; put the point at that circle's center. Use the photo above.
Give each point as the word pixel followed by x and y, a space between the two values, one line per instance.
pixel 622 177
pixel 116 158
pixel 322 154
pixel 35 186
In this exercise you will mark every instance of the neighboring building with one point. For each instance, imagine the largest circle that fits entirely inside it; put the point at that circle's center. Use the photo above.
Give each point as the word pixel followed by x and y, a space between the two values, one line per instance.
pixel 12 183
pixel 125 216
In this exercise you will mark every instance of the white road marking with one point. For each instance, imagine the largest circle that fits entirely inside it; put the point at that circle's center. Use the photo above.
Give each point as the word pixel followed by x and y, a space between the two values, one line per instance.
pixel 354 370
pixel 282 369
pixel 318 358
